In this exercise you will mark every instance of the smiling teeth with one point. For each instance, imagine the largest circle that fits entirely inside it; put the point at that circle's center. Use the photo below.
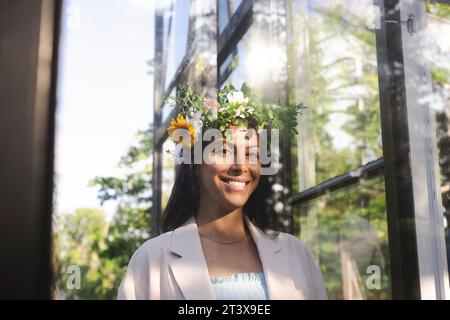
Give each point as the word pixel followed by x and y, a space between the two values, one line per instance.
pixel 236 183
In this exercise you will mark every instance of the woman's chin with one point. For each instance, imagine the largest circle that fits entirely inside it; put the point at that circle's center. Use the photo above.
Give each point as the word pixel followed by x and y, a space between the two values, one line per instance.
pixel 236 201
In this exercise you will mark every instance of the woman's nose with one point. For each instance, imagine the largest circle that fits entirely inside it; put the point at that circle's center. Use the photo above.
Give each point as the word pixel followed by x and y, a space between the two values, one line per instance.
pixel 237 169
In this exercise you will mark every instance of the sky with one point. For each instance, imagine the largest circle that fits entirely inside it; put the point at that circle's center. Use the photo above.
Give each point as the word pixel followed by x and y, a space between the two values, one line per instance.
pixel 105 93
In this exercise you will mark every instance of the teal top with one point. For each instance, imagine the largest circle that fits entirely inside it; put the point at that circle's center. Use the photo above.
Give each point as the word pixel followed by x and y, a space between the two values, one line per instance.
pixel 241 286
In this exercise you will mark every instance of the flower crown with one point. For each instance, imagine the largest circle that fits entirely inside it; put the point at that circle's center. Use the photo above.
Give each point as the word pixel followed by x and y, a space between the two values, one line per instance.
pixel 232 107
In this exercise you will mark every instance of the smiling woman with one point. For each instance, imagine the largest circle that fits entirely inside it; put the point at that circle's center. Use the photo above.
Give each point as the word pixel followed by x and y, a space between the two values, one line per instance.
pixel 211 249
pixel 229 183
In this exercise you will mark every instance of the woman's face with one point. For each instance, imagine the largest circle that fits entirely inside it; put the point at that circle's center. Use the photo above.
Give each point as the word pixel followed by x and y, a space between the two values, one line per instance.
pixel 234 171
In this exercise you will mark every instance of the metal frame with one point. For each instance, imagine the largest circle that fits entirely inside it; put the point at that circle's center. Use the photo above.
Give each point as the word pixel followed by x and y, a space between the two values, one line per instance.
pixel 227 41
pixel 367 171
pixel 401 147
pixel 160 132
pixel 428 209
pixel 158 90
pixel 234 31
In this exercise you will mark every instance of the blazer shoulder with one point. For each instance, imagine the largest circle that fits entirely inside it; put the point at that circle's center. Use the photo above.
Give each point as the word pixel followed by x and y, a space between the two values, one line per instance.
pixel 312 269
pixel 287 239
pixel 296 243
pixel 300 248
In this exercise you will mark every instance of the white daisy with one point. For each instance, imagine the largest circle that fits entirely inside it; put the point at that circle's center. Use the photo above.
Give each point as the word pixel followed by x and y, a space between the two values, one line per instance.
pixel 237 97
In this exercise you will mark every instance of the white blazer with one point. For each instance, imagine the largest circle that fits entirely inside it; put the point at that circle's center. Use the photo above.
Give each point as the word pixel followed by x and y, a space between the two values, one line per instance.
pixel 172 266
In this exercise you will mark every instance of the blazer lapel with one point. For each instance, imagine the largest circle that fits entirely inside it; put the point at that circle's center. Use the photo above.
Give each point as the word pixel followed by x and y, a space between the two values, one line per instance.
pixel 190 270
pixel 275 261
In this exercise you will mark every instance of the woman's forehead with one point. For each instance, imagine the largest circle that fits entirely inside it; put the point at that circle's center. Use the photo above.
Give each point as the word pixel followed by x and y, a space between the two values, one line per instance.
pixel 239 136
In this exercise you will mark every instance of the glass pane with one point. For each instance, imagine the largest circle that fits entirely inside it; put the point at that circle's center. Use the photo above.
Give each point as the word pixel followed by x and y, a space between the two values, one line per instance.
pixel 257 60
pixel 346 231
pixel 333 70
pixel 102 196
pixel 176 27
pixel 438 47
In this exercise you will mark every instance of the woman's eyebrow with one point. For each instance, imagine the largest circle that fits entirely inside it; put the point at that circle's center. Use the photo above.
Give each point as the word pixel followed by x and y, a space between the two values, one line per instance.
pixel 232 145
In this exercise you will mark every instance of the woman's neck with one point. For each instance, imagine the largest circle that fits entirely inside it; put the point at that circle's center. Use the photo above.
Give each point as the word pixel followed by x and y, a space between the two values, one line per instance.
pixel 221 225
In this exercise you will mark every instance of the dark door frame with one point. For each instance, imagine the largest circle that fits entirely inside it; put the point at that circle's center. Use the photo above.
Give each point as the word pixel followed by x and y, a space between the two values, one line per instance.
pixel 29 36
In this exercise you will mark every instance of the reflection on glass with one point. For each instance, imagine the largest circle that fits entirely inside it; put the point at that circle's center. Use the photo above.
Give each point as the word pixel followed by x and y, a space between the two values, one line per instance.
pixel 347 232
pixel 257 60
pixel 438 51
pixel 234 67
pixel 168 172
pixel 333 70
pixel 176 27
pixel 226 10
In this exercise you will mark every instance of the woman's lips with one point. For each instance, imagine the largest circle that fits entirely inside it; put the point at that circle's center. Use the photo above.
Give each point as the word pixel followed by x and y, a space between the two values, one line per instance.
pixel 234 185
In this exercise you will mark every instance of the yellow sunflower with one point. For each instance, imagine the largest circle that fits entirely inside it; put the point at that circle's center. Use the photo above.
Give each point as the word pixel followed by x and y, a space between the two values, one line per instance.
pixel 181 123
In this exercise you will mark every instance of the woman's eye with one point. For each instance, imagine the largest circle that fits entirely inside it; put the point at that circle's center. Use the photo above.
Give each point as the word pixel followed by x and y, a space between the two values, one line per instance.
pixel 252 154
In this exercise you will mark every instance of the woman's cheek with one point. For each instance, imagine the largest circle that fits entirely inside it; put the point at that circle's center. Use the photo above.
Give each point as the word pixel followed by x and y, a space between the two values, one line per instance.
pixel 215 160
pixel 255 171
pixel 218 166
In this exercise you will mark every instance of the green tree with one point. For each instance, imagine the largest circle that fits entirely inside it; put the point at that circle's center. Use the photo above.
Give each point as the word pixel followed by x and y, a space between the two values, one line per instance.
pixel 80 238
pixel 101 248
